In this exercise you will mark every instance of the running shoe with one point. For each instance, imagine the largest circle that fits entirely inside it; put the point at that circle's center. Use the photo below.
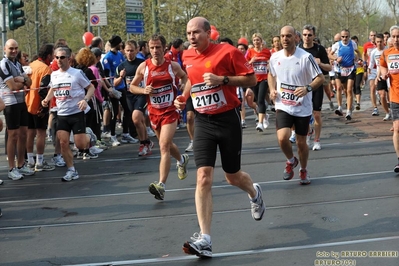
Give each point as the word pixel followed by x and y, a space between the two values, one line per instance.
pixel 144 150
pixel 89 155
pixel 243 124
pixel 70 175
pixel 58 161
pixel 266 121
pixel 14 174
pixel 25 170
pixel 348 116
pixel 316 146
pixel 95 150
pixel 150 132
pixel 182 168
pixel 114 141
pixel 387 117
pixel 357 106
pixel 289 169
pixel 258 208
pixel 304 177
pixel 190 147
pixel 259 127
pixel 157 189
pixel 338 111
pixel 375 112
pixel 331 106
pixel 129 139
pixel 79 155
pixel 198 246
pixel 396 169
pixel 44 167
pixel 106 135
pixel 309 136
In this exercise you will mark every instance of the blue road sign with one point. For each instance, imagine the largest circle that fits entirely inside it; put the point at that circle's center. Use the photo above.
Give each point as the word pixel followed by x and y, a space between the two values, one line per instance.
pixel 134 23
pixel 135 30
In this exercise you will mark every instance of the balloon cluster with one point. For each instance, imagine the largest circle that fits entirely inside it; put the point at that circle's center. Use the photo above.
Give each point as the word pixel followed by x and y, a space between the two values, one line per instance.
pixel 214 33
pixel 87 37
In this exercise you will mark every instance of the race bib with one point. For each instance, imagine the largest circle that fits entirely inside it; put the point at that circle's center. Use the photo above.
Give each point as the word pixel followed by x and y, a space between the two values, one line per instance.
pixel 287 95
pixel 393 64
pixel 260 68
pixel 162 97
pixel 207 98
pixel 63 92
pixel 346 71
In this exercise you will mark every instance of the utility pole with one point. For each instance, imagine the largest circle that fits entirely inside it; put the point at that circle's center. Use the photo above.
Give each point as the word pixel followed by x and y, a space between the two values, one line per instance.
pixel 4 27
pixel 37 25
pixel 154 11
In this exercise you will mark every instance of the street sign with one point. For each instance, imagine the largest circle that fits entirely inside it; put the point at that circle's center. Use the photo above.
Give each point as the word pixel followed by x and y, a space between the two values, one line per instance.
pixel 130 9
pixel 135 30
pixel 98 13
pixel 134 16
pixel 99 19
pixel 98 6
pixel 138 3
pixel 134 23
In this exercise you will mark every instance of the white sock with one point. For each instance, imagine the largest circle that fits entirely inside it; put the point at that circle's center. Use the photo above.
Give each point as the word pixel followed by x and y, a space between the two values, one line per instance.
pixel 181 162
pixel 206 237
pixel 71 168
pixel 292 160
pixel 30 158
pixel 39 159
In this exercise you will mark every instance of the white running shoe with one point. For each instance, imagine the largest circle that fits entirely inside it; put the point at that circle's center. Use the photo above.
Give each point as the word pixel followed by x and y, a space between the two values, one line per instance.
pixel 114 141
pixel 95 150
pixel 150 132
pixel 129 139
pixel 58 161
pixel 14 174
pixel 259 127
pixel 387 117
pixel 190 147
pixel 316 146
pixel 266 121
pixel 293 137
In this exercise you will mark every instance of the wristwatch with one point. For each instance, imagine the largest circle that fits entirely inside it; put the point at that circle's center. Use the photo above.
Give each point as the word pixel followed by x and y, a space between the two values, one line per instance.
pixel 225 80
pixel 309 88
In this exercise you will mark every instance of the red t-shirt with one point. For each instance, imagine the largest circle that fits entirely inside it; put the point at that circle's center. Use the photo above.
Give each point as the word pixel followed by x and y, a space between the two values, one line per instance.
pixel 367 48
pixel 221 60
pixel 260 64
pixel 162 78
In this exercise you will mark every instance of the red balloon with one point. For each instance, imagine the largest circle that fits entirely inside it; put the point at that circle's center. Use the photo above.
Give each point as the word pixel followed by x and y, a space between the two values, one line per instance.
pixel 213 27
pixel 214 35
pixel 87 37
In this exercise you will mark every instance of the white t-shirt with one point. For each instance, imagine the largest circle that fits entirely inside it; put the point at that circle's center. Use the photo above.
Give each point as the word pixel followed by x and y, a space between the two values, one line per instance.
pixel 291 72
pixel 69 89
pixel 375 59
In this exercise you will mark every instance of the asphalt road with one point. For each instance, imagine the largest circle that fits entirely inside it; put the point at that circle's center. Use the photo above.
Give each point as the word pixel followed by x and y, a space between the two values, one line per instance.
pixel 347 215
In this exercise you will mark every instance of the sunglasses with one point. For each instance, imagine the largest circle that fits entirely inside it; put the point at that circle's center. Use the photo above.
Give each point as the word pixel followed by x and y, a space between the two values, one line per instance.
pixel 60 57
pixel 310 35
pixel 344 37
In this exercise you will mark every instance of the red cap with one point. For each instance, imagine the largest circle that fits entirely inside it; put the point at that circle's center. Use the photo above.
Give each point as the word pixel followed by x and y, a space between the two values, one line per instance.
pixel 242 40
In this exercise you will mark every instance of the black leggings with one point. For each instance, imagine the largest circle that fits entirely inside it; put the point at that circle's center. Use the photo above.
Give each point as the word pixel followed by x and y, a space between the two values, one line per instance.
pixel 127 123
pixel 260 90
pixel 358 82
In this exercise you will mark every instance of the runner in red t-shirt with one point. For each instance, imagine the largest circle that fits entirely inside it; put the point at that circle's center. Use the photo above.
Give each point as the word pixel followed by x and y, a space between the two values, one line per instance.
pixel 259 58
pixel 159 76
pixel 214 71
